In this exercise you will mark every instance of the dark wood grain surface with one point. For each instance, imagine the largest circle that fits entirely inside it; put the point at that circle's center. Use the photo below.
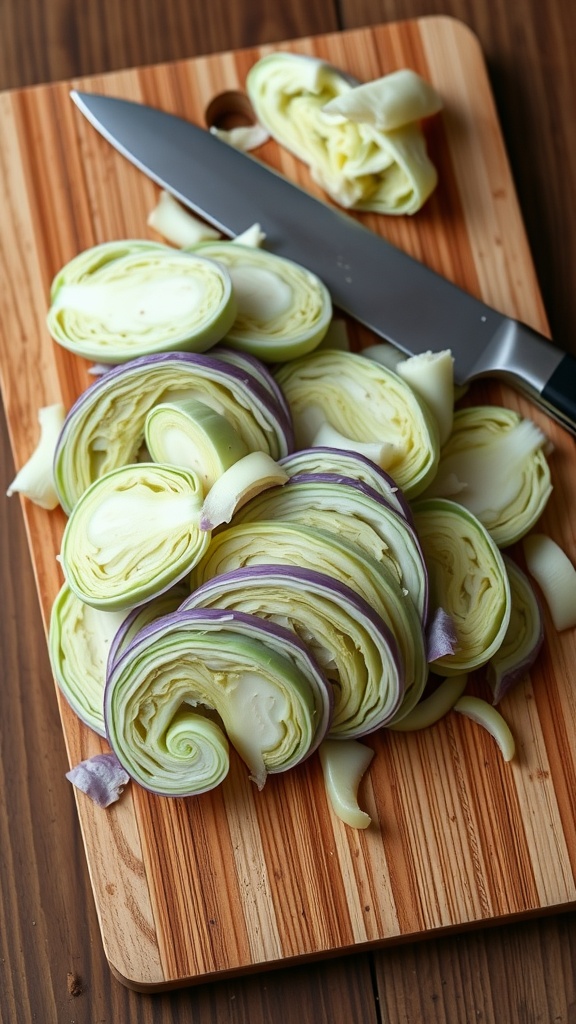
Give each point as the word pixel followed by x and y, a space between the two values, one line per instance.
pixel 52 966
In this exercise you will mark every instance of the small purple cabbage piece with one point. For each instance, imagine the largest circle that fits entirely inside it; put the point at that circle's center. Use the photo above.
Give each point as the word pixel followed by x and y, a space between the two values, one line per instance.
pixel 101 777
pixel 441 635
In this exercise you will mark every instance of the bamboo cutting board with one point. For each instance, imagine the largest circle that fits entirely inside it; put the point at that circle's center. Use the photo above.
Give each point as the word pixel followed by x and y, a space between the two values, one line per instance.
pixel 236 880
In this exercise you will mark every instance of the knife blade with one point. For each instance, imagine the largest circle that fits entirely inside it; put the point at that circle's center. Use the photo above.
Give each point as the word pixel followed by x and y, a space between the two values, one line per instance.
pixel 373 281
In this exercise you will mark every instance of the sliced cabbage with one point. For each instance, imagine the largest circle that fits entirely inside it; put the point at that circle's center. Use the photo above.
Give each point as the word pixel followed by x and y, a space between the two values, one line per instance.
pixel 347 465
pixel 104 429
pixel 79 641
pixel 524 636
pixel 495 464
pixel 194 680
pixel 150 299
pixel 83 639
pixel 279 543
pixel 363 401
pixel 283 310
pixel 315 112
pixel 467 578
pixel 354 647
pixel 132 535
pixel 355 513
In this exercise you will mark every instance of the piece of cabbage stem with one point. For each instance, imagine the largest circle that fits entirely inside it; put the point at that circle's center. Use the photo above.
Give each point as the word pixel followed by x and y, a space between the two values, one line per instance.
pixel 35 479
pixel 433 708
pixel 177 224
pixel 189 433
pixel 484 714
pixel 249 476
pixel 344 762
pixel 555 574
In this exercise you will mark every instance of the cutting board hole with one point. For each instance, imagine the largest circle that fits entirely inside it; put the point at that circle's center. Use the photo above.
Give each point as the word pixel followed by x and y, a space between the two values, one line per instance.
pixel 230 110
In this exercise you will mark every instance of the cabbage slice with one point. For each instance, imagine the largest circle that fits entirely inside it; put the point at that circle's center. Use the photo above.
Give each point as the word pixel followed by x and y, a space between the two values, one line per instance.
pixel 355 648
pixel 279 543
pixel 355 513
pixel 150 299
pixel 468 579
pixel 104 429
pixel 524 636
pixel 494 463
pixel 194 680
pixel 364 401
pixel 132 535
pixel 82 640
pixel 283 310
pixel 348 466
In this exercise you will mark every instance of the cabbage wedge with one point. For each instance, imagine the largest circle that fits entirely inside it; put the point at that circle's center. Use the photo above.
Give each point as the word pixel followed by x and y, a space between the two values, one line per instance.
pixel 196 680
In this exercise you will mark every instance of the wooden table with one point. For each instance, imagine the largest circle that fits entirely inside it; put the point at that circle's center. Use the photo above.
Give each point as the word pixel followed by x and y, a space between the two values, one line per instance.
pixel 52 965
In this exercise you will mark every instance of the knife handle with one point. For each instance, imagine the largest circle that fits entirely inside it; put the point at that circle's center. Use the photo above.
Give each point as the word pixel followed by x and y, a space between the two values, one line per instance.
pixel 558 396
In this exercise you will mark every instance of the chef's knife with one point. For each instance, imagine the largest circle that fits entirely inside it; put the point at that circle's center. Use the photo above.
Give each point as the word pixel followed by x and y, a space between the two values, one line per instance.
pixel 393 294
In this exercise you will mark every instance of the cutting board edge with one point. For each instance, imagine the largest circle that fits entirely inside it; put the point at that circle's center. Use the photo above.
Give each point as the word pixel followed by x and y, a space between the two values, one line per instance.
pixel 373 948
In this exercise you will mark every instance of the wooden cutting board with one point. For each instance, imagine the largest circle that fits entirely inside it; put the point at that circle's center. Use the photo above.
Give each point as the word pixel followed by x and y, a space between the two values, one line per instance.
pixel 236 880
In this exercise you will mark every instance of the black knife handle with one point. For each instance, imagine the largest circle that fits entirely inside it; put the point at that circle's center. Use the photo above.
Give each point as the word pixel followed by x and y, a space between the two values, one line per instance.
pixel 559 393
